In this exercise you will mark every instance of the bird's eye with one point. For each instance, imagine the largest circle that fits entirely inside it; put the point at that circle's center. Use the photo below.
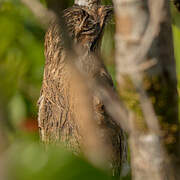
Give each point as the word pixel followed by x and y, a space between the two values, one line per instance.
pixel 89 25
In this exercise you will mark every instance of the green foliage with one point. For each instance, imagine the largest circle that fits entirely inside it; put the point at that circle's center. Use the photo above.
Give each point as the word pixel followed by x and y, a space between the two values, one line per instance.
pixel 29 161
pixel 176 35
pixel 21 58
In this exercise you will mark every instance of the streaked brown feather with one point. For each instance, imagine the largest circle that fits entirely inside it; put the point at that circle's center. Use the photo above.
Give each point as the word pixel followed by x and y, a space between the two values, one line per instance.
pixel 55 109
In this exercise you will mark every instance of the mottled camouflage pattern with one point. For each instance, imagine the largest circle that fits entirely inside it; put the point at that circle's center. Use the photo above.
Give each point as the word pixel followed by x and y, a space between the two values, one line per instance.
pixel 58 100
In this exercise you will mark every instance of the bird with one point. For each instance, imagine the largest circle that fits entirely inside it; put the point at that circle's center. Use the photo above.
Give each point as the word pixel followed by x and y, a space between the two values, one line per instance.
pixel 85 27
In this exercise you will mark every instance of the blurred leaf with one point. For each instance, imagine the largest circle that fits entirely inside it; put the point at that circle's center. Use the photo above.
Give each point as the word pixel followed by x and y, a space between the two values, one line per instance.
pixel 30 161
pixel 176 36
pixel 17 109
pixel 21 59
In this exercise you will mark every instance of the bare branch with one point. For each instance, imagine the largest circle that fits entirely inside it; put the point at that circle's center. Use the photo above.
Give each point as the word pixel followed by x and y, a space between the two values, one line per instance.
pixel 152 29
pixel 146 106
pixel 138 44
pixel 148 157
pixel 44 15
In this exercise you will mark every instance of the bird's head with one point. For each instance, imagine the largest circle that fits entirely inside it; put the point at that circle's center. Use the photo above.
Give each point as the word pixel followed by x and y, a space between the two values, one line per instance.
pixel 86 25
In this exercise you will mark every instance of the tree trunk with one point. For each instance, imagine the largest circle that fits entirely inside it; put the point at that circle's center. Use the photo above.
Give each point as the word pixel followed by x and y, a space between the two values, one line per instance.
pixel 160 82
pixel 148 157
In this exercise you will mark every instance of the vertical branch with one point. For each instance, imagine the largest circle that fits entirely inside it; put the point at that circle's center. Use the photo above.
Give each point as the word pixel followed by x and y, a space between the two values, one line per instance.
pixel 131 25
pixel 42 14
pixel 134 25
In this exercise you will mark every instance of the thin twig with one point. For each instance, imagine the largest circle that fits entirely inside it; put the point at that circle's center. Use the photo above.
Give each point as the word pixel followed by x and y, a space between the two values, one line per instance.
pixel 44 15
pixel 152 30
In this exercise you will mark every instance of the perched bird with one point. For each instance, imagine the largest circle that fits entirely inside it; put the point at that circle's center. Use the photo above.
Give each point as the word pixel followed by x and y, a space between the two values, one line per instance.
pixel 56 115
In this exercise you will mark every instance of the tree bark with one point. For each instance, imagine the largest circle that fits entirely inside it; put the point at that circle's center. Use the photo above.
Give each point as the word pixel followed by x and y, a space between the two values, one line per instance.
pixel 159 80
pixel 162 86
pixel 139 37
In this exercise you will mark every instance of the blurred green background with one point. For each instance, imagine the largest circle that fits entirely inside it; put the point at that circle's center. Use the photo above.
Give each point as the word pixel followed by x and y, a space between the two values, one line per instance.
pixel 22 60
pixel 21 71
pixel 176 35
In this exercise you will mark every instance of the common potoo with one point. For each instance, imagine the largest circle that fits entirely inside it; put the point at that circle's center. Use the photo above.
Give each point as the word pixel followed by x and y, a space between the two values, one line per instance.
pixel 56 114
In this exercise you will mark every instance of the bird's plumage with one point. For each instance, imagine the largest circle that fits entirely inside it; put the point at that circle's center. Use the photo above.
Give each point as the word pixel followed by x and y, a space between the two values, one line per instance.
pixel 56 114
